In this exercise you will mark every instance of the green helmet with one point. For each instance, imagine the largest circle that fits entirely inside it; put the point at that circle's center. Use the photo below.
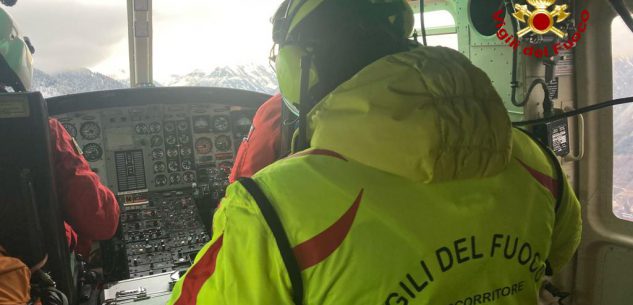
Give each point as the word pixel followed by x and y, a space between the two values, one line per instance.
pixel 287 34
pixel 16 61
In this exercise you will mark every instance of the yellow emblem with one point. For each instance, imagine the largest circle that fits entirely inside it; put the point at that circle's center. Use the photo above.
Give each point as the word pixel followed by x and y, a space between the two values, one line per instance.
pixel 540 20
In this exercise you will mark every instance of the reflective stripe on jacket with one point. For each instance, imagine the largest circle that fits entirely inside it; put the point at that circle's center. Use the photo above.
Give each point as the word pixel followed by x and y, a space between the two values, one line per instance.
pixel 416 191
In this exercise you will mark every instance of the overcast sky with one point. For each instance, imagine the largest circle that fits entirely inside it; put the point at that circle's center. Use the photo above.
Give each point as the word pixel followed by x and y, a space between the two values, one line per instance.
pixel 621 39
pixel 188 34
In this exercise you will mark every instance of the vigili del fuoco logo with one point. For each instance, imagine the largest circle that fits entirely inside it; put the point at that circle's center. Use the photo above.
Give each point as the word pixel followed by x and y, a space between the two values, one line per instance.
pixel 542 17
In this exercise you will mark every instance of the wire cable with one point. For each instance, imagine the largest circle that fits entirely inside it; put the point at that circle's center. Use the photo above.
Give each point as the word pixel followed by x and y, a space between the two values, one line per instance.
pixel 565 115
pixel 422 26
pixel 547 102
pixel 514 83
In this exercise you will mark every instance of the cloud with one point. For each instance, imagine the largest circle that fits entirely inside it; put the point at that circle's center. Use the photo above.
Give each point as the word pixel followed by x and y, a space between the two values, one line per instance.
pixel 71 34
pixel 188 35
pixel 203 34
pixel 621 39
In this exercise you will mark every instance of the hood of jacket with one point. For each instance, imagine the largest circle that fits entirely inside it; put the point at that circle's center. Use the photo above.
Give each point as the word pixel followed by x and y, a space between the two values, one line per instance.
pixel 428 115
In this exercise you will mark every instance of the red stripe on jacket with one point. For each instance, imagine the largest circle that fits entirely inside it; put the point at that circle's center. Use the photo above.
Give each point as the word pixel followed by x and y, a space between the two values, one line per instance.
pixel 317 249
pixel 548 182
pixel 199 274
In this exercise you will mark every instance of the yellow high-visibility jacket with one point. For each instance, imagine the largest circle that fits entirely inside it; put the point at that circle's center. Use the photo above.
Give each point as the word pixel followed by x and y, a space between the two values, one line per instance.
pixel 416 191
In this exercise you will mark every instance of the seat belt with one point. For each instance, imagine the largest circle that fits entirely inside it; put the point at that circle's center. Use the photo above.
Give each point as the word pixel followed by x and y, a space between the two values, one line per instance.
pixel 287 254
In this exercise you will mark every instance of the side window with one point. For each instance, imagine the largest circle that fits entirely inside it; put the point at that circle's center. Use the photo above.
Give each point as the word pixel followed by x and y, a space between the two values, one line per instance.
pixel 440 28
pixel 622 54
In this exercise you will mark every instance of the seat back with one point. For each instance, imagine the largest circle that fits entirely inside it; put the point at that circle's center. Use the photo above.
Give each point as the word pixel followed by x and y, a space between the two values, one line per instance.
pixel 31 224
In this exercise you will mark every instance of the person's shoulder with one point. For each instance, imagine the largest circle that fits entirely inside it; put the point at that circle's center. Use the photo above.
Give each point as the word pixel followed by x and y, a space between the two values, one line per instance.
pixel 270 110
pixel 274 102
pixel 321 159
pixel 529 152
pixel 11 264
pixel 54 123
pixel 309 169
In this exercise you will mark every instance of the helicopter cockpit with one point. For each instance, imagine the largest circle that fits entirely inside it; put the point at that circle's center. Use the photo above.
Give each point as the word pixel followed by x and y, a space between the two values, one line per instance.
pixel 166 152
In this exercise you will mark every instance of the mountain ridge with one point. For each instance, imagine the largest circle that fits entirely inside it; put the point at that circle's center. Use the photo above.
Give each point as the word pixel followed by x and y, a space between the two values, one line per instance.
pixel 257 78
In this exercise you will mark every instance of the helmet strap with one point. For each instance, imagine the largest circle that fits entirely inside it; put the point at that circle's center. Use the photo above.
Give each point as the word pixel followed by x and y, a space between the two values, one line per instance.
pixel 304 101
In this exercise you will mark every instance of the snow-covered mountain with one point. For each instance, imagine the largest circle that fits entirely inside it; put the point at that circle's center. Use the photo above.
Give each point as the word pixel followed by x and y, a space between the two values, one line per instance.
pixel 69 82
pixel 247 77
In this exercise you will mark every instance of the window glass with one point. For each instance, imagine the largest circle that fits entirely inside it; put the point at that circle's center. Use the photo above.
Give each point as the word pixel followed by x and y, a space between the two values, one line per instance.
pixel 80 47
pixel 622 54
pixel 435 19
pixel 195 43
pixel 214 43
pixel 440 27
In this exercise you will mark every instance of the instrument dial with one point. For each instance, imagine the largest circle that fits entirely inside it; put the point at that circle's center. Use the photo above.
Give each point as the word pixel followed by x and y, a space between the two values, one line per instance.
pixel 170 127
pixel 157 154
pixel 90 130
pixel 173 166
pixel 172 152
pixel 160 180
pixel 157 141
pixel 187 165
pixel 159 167
pixel 155 127
pixel 223 143
pixel 201 124
pixel 92 152
pixel 70 127
pixel 184 139
pixel 141 128
pixel 189 177
pixel 171 140
pixel 183 126
pixel 204 146
pixel 175 178
pixel 221 123
pixel 186 152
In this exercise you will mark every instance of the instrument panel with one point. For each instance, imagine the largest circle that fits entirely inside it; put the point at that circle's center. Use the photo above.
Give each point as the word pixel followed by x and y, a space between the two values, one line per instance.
pixel 167 163
pixel 157 147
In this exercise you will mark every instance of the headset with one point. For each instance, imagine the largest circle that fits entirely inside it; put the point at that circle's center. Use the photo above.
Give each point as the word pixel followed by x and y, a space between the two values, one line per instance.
pixel 296 53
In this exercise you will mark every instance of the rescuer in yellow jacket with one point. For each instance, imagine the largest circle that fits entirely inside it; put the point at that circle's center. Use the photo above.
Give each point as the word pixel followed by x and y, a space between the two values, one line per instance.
pixel 415 188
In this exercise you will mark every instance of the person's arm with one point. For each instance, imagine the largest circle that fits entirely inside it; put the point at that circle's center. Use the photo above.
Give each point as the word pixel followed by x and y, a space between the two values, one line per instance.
pixel 14 281
pixel 567 229
pixel 241 264
pixel 89 207
pixel 261 147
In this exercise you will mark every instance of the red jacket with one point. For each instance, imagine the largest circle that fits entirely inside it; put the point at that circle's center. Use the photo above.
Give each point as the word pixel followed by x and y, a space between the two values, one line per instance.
pixel 262 145
pixel 90 209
